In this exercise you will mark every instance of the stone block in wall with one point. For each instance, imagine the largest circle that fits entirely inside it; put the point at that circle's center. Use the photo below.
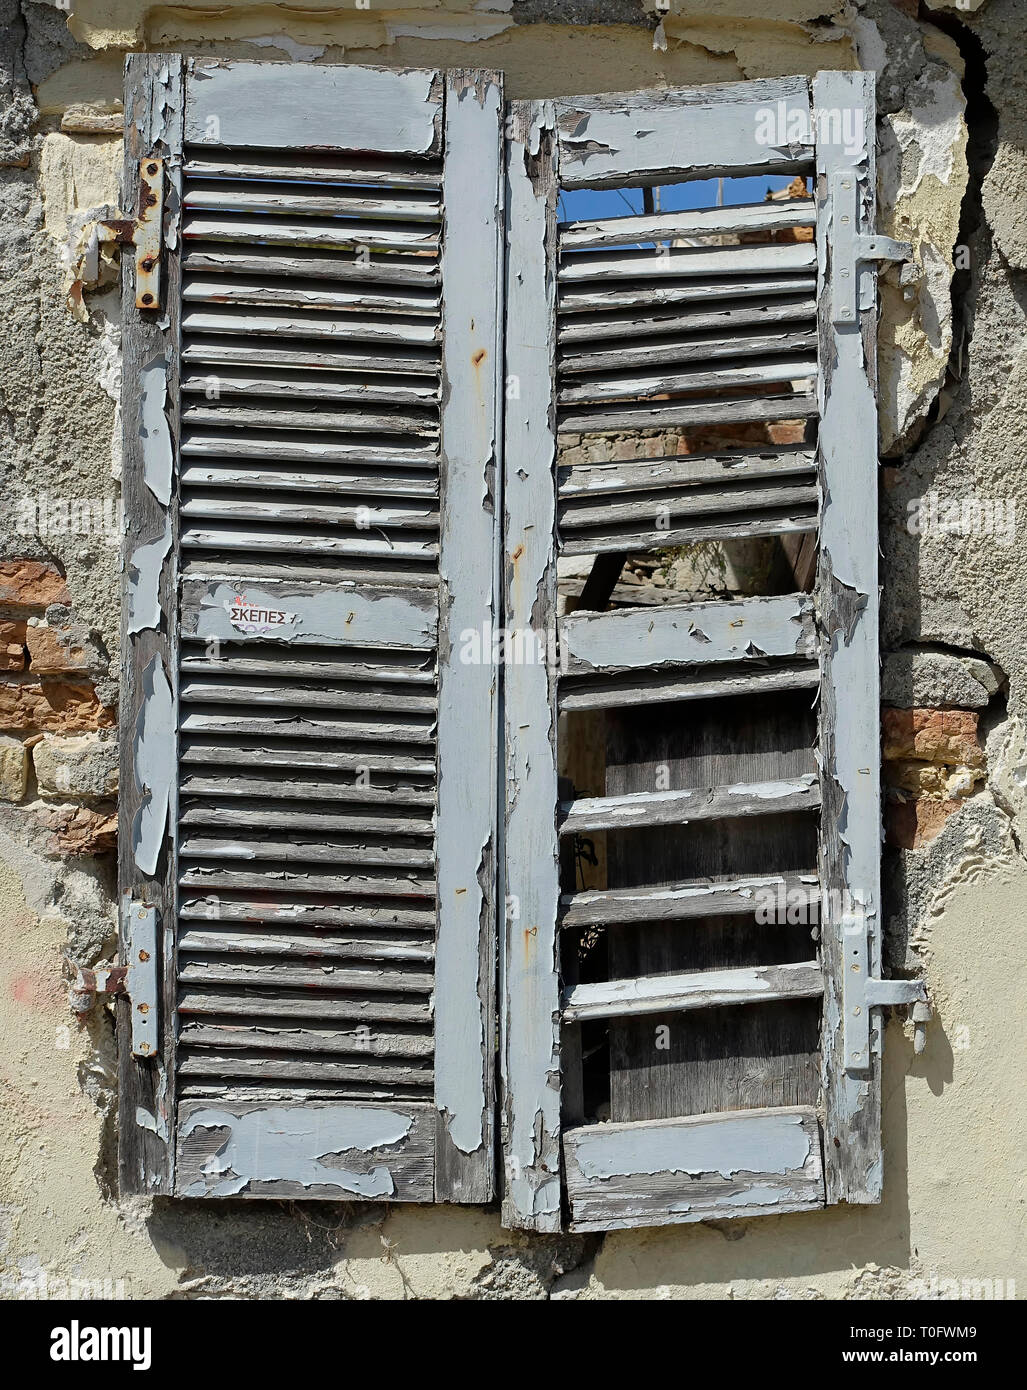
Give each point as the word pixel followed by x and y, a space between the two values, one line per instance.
pixel 52 706
pixel 14 766
pixel 31 584
pixel 928 678
pixel 81 767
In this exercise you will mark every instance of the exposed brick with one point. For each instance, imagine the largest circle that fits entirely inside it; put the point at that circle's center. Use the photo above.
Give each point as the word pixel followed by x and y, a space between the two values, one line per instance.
pixel 31 584
pixel 55 650
pixel 14 766
pixel 931 735
pixel 60 707
pixel 912 824
pixel 12 645
pixel 78 830
pixel 931 779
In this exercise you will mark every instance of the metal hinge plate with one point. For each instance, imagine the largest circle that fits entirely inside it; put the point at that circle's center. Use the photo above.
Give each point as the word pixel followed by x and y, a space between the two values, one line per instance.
pixel 851 248
pixel 862 992
pixel 136 981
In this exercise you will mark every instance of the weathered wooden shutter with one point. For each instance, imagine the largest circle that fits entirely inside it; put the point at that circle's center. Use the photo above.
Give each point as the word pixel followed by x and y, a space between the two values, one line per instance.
pixel 309 780
pixel 759 710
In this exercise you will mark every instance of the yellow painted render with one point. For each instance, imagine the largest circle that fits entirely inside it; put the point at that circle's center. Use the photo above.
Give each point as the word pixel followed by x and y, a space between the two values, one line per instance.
pixel 766 48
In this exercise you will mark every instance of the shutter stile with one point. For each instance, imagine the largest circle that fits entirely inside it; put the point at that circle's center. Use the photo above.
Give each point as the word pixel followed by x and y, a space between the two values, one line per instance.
pixel 312 458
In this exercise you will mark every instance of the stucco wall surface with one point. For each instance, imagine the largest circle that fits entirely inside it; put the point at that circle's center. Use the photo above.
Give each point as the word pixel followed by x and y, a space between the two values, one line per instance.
pixel 953 365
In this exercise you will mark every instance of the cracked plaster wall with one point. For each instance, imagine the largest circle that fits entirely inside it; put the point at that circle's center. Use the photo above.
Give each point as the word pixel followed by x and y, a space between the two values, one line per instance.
pixel 953 369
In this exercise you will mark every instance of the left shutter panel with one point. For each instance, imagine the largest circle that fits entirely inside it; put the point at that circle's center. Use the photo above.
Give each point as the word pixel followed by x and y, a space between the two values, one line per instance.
pixel 309 764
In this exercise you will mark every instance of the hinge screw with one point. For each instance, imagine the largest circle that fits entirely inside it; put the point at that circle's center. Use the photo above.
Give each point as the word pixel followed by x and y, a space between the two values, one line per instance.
pixel 147 298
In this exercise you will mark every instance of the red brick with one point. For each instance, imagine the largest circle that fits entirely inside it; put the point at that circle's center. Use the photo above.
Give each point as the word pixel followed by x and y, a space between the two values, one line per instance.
pixel 12 645
pixel 55 707
pixel 913 824
pixel 31 584
pixel 931 736
pixel 52 651
pixel 81 831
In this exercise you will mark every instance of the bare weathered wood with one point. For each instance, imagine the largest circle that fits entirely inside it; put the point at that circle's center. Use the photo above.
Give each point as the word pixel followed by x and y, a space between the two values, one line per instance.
pixel 369 916
pixel 800 517
pixel 530 1033
pixel 770 311
pixel 708 989
pixel 662 136
pixel 592 306
pixel 739 1164
pixel 146 868
pixel 659 509
pixel 200 290
pixel 847 600
pixel 632 385
pixel 228 941
pixel 294 199
pixel 741 262
pixel 327 168
pixel 384 1042
pixel 658 415
pixel 301 323
pixel 202 1001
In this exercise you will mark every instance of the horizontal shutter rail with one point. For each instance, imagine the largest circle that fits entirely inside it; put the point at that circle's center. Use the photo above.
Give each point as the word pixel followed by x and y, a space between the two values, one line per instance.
pixel 696 1168
pixel 681 348
pixel 706 989
pixel 394 979
pixel 645 296
pixel 362 729
pixel 801 517
pixel 251 352
pixel 684 470
pixel 286 880
pixel 665 136
pixel 745 217
pixel 679 262
pixel 405 515
pixel 312 416
pixel 703 683
pixel 211 195
pixel 219 811
pixel 248 165
pixel 617 417
pixel 659 509
pixel 393 766
pixel 276 1068
pixel 315 232
pixel 642 809
pixel 686 634
pixel 226 941
pixel 300 851
pixel 390 916
pixel 709 897
pixel 288 542
pixel 408 331
pixel 300 449
pixel 338 481
pixel 659 415
pixel 311 295
pixel 769 311
pixel 373 1009
pixel 383 1043
pixel 626 385
pixel 321 386
pixel 346 266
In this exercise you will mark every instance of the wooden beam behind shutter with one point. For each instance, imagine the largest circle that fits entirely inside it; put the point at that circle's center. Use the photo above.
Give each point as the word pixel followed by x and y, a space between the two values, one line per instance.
pixel 312 639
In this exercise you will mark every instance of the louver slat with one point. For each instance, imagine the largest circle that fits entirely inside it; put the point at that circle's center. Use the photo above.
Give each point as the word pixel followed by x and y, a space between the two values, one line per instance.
pixel 316 974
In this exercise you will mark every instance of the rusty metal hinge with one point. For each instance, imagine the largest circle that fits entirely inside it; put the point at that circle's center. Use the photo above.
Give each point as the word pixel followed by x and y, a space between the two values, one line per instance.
pixel 144 232
pixel 862 992
pixel 850 248
pixel 136 981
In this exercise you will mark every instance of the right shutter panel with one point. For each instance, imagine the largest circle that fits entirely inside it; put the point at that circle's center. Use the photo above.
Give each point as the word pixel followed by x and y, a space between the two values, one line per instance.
pixel 330 956
pixel 680 1041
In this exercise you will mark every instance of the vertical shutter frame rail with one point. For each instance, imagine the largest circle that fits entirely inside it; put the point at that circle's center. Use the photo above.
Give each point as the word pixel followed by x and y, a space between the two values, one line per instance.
pixel 739 1162
pixel 211 1140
